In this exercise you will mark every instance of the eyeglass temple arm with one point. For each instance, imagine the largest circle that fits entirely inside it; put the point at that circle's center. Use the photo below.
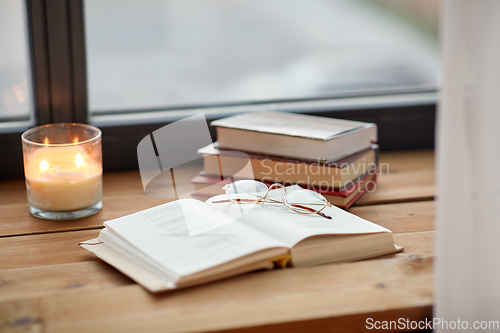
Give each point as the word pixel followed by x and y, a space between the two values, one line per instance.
pixel 311 210
pixel 237 200
pixel 245 200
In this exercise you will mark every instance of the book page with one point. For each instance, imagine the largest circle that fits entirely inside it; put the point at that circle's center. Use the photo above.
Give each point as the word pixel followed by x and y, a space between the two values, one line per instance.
pixel 289 227
pixel 186 236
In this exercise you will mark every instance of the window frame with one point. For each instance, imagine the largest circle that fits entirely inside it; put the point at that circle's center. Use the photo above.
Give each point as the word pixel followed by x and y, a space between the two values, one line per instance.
pixel 406 119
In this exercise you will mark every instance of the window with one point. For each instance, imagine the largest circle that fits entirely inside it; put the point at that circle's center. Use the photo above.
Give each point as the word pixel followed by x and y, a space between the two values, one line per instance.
pixel 16 102
pixel 158 55
pixel 131 66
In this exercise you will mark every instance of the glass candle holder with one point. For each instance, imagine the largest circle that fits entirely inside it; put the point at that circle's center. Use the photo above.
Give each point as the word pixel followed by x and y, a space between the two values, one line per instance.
pixel 63 169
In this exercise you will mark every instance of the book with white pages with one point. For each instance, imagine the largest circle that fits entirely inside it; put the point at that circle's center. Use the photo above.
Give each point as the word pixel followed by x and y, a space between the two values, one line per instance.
pixel 188 242
pixel 294 136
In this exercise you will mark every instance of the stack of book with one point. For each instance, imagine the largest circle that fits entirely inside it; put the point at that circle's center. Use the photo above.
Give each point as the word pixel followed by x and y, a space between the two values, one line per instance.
pixel 337 158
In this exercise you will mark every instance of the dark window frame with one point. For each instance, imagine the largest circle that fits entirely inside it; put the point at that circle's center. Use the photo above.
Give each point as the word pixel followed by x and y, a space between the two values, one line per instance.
pixel 58 57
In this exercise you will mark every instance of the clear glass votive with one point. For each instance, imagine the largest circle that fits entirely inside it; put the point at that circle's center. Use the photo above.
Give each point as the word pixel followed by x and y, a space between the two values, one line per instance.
pixel 63 169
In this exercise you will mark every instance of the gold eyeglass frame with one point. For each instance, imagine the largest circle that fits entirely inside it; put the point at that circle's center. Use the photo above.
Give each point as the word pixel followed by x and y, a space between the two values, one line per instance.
pixel 265 199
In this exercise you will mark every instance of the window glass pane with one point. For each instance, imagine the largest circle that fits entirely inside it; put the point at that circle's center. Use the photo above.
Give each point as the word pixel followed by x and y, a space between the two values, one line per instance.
pixel 15 72
pixel 154 54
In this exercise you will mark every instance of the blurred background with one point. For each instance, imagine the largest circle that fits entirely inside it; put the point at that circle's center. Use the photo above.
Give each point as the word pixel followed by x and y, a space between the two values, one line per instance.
pixel 15 65
pixel 171 54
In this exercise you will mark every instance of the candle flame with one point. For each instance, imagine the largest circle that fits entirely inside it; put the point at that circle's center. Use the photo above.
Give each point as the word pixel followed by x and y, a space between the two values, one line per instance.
pixel 79 160
pixel 46 141
pixel 75 140
pixel 44 166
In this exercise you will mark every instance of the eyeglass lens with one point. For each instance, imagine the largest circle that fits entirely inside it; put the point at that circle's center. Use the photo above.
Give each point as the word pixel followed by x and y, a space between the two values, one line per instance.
pixel 305 201
pixel 246 191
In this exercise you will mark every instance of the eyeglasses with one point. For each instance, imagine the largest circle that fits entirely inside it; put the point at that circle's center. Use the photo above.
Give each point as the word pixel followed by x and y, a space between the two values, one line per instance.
pixel 300 200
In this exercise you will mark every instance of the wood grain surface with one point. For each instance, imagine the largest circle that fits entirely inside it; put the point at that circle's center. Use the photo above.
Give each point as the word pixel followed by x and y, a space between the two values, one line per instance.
pixel 49 284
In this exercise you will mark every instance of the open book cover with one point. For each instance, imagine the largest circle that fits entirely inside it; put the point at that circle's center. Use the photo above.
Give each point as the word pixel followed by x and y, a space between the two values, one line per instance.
pixel 188 242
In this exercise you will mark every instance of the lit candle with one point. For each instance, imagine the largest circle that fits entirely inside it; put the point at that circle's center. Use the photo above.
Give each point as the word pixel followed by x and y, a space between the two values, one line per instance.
pixel 63 177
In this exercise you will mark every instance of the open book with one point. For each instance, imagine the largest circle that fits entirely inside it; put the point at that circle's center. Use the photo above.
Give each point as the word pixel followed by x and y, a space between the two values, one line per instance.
pixel 188 242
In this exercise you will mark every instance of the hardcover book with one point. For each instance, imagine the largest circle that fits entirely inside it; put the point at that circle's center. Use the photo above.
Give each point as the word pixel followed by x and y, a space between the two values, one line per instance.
pixel 207 186
pixel 188 242
pixel 295 135
pixel 338 174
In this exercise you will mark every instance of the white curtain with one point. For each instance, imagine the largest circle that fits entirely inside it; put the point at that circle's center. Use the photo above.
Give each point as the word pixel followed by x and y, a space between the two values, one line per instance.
pixel 468 165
